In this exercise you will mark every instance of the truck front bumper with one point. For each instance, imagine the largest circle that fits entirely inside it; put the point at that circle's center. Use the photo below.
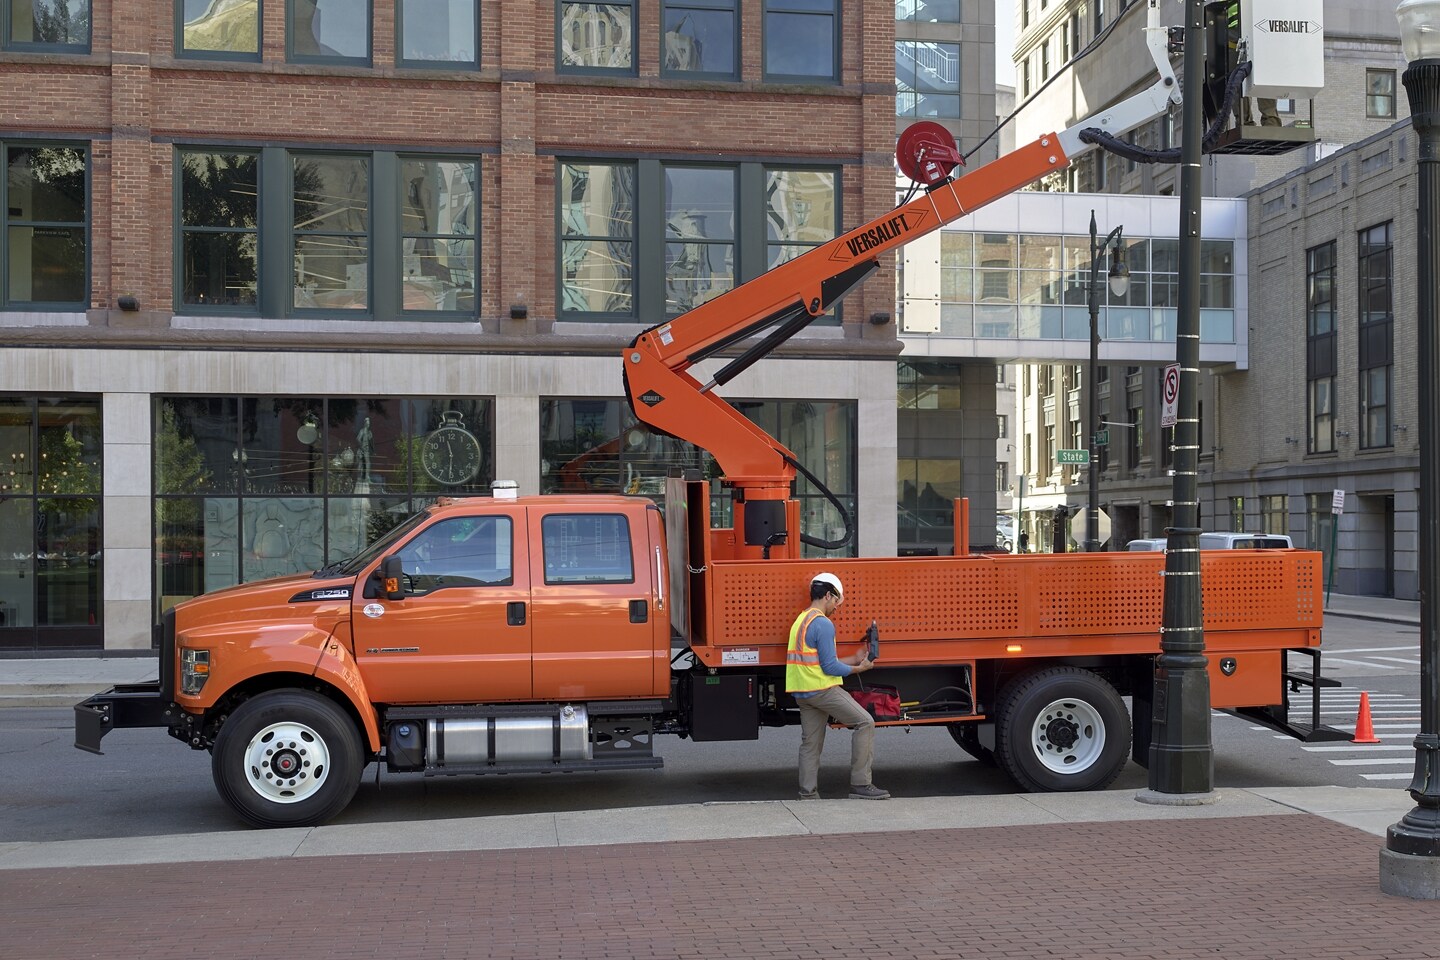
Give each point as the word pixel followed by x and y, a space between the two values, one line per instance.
pixel 126 705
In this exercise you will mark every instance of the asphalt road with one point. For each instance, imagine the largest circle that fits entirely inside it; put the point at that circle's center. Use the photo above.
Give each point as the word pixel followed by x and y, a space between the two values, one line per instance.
pixel 148 784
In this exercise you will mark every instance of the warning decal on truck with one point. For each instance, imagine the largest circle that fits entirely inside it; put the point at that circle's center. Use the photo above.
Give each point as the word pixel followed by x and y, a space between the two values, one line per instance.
pixel 739 656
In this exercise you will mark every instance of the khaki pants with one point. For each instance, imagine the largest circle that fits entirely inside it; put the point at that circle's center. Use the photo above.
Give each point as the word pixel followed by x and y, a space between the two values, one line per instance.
pixel 815 714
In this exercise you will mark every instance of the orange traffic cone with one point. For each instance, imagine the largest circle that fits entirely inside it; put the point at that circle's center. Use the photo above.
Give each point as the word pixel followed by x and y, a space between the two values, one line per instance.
pixel 1364 732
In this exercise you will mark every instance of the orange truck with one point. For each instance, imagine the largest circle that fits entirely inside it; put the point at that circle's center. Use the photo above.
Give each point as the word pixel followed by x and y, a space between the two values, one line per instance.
pixel 556 633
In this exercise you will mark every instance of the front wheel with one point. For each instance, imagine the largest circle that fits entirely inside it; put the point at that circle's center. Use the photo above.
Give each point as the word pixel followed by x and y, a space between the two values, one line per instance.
pixel 1061 729
pixel 288 758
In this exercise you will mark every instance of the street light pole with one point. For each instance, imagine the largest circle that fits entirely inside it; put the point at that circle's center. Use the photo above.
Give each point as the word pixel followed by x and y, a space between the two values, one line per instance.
pixel 1410 862
pixel 1182 756
pixel 1119 285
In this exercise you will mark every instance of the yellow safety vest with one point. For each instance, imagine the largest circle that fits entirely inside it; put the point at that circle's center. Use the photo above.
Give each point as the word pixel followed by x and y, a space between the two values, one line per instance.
pixel 802 661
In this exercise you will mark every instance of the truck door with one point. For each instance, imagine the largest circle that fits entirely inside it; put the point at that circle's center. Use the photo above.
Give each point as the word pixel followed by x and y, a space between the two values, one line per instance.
pixel 594 610
pixel 462 632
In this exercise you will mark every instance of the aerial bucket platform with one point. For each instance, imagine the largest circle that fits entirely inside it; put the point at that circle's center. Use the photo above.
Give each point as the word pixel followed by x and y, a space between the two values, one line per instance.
pixel 1283 43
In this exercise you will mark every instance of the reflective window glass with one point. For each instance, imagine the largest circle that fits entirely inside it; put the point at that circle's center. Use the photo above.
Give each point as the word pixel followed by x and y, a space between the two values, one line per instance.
pixel 57 24
pixel 800 39
pixel 439 32
pixel 329 29
pixel 699 37
pixel 220 26
pixel 331 242
pixel 254 487
pixel 587 548
pixel 597 36
pixel 699 235
pixel 460 552
pixel 597 213
pixel 44 239
pixel 438 218
pixel 50 544
pixel 801 212
pixel 219 199
pixel 927 79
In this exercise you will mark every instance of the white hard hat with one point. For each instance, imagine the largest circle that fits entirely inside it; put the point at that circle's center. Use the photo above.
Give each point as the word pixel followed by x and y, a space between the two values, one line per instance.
pixel 832 581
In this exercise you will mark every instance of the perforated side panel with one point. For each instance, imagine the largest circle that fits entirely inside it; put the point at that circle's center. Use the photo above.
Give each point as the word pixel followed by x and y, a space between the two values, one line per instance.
pixel 1067 595
pixel 912 599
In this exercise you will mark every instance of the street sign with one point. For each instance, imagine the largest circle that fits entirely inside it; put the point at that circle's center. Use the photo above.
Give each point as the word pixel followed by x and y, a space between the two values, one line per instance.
pixel 1337 502
pixel 1170 396
pixel 1102 438
pixel 1077 526
pixel 1072 456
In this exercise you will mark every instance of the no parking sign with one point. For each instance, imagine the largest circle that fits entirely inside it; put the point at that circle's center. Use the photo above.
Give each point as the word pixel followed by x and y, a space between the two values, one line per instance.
pixel 1170 395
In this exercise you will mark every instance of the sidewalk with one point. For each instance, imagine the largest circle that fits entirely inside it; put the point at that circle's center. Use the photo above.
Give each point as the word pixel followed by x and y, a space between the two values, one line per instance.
pixel 1063 875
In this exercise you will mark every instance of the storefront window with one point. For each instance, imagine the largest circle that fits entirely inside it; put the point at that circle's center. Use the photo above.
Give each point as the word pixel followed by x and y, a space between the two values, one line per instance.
pixel 255 487
pixel 50 546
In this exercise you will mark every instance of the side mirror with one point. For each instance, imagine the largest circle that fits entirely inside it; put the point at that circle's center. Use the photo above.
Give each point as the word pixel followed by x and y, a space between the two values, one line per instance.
pixel 391 577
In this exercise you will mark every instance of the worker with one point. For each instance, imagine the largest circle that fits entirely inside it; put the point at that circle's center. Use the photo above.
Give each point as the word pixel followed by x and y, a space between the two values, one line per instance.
pixel 1269 115
pixel 813 673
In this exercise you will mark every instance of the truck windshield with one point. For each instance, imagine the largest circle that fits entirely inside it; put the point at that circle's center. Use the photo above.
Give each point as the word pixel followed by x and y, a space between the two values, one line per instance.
pixel 352 566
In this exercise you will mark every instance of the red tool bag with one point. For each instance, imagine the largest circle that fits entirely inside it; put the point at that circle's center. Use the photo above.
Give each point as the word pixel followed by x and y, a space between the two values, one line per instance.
pixel 881 702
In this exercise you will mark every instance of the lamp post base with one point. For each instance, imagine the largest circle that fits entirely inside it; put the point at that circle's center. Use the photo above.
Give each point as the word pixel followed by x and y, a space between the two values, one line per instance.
pixel 1406 875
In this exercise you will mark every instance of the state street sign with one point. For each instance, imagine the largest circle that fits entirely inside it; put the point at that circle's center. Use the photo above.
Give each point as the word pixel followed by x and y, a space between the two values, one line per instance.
pixel 1072 456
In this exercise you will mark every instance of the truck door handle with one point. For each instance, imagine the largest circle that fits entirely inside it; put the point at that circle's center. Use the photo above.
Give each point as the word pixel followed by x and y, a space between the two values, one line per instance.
pixel 639 612
pixel 515 613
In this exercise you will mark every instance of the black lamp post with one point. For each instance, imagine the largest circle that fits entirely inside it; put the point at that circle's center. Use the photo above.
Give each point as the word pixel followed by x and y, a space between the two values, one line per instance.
pixel 1410 862
pixel 1119 285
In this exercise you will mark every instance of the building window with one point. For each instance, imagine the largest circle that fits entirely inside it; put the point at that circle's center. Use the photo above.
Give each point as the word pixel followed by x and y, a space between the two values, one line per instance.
pixel 219 240
pixel 1002 426
pixel 801 212
pixel 802 40
pixel 1275 514
pixel 699 235
pixel 709 231
pixel 927 79
pixel 253 487
pixel 329 31
pixel 1380 94
pixel 438 33
pixel 1002 477
pixel 1237 514
pixel 1319 525
pixel 331 232
pixel 46 25
pixel 44 227
pixel 597 37
pixel 1375 333
pixel 50 542
pixel 1045 60
pixel 1320 359
pixel 439 221
pixel 700 38
pixel 928 11
pixel 240 212
pixel 219 31
pixel 597 231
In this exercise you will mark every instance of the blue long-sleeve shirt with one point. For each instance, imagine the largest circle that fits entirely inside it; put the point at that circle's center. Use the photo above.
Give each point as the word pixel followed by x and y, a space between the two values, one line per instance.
pixel 821 635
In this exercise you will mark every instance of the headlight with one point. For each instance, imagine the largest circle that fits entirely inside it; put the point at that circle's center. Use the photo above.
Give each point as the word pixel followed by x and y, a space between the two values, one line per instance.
pixel 194 670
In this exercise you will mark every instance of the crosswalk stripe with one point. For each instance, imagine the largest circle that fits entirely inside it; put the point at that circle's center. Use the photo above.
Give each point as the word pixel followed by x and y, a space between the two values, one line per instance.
pixel 1361 663
pixel 1355 746
pixel 1411 646
pixel 1372 763
pixel 1386 776
pixel 1413 663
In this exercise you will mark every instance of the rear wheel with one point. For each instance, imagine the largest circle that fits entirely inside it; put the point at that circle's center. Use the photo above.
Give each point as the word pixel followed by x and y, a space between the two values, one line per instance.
pixel 289 758
pixel 1060 729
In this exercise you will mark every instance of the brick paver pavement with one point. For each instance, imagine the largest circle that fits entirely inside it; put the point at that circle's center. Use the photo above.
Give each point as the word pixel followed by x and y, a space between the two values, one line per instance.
pixel 1269 887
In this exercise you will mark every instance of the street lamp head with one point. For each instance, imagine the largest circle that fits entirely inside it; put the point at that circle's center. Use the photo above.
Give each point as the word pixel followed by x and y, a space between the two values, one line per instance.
pixel 1419 29
pixel 1119 271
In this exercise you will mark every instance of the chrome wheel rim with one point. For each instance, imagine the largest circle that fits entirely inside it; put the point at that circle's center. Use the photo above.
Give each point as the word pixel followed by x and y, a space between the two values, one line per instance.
pixel 286 762
pixel 1068 736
